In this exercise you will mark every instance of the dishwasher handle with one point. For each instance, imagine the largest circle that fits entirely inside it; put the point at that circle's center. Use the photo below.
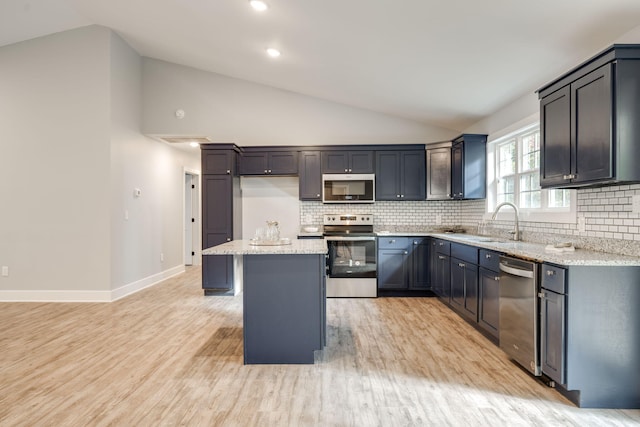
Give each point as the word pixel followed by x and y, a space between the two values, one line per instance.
pixel 516 271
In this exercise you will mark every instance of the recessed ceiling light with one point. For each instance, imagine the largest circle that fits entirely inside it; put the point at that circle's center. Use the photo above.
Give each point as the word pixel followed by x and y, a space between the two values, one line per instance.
pixel 258 5
pixel 274 53
pixel 194 144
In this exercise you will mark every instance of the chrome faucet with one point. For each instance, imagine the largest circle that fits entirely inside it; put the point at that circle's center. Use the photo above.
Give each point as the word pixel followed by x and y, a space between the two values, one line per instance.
pixel 516 231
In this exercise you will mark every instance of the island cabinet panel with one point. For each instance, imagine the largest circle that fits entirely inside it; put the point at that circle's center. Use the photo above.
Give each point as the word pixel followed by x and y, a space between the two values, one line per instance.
pixel 269 163
pixel 400 175
pixel 358 161
pixel 283 308
pixel 588 135
pixel 310 176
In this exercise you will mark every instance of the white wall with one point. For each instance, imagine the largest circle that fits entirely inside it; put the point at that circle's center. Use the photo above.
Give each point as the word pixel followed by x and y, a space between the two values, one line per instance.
pixel 71 153
pixel 273 198
pixel 155 219
pixel 54 162
pixel 236 111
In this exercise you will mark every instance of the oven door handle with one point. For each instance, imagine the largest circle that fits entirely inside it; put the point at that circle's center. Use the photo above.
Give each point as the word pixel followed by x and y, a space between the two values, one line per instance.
pixel 350 238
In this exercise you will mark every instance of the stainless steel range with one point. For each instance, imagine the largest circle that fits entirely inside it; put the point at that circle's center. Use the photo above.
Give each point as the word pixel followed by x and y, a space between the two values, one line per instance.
pixel 351 265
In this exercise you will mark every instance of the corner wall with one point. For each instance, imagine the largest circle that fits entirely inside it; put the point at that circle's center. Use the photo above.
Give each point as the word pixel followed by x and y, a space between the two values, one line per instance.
pixel 54 165
pixel 146 231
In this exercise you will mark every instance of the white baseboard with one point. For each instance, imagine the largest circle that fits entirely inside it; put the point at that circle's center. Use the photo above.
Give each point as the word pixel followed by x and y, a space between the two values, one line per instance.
pixel 88 296
pixel 138 285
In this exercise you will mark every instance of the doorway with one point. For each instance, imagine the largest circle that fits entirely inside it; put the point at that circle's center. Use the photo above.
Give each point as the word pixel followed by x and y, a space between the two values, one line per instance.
pixel 191 218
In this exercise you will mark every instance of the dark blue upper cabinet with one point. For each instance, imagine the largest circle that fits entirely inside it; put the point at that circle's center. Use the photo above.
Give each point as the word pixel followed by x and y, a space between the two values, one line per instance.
pixel 338 161
pixel 589 129
pixel 400 175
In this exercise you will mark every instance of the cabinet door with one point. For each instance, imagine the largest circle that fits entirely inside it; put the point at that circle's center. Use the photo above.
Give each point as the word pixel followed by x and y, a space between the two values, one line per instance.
pixel 552 335
pixel 457 283
pixel 444 276
pixel 218 162
pixel 591 116
pixel 489 301
pixel 310 177
pixel 361 161
pixel 471 291
pixel 282 163
pixel 254 164
pixel 412 175
pixel 217 214
pixel 433 268
pixel 387 175
pixel 217 228
pixel 439 173
pixel 419 278
pixel 457 171
pixel 335 162
pixel 393 272
pixel 555 147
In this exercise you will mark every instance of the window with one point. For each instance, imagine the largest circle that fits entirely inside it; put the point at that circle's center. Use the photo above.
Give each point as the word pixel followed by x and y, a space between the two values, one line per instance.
pixel 514 176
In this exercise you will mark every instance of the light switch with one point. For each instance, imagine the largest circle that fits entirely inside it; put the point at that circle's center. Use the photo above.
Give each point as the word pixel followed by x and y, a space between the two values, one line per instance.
pixel 126 215
pixel 5 271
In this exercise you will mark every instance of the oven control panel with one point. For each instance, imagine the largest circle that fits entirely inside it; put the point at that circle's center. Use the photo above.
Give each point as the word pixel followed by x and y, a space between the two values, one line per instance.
pixel 348 219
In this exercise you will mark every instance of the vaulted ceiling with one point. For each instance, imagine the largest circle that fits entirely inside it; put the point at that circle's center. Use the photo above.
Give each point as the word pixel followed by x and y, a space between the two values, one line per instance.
pixel 445 63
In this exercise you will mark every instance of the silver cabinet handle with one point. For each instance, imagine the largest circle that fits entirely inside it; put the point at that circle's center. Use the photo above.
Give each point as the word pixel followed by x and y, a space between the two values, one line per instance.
pixel 317 195
pixel 570 176
pixel 496 278
pixel 266 171
pixel 440 257
pixel 402 195
pixel 397 195
pixel 487 256
pixel 406 253
pixel 441 244
pixel 228 239
pixel 346 170
pixel 228 171
pixel 392 241
pixel 550 272
pixel 461 265
pixel 415 242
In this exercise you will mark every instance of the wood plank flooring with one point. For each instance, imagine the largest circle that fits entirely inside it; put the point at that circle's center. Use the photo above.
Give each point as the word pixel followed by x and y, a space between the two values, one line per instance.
pixel 170 356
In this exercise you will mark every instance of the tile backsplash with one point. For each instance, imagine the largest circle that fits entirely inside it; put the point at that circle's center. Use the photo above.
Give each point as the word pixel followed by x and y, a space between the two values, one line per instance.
pixel 611 224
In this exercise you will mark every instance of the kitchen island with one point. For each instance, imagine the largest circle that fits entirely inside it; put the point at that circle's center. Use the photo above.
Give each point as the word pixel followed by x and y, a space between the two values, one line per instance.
pixel 284 299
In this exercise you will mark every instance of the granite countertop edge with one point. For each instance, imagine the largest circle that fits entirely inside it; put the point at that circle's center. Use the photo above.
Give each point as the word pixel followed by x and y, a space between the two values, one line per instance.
pixel 526 250
pixel 244 247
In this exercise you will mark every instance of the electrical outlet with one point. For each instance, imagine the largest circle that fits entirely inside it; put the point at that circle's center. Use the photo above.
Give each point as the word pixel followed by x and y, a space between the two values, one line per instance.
pixel 126 215
pixel 438 219
pixel 582 224
pixel 161 257
pixel 5 271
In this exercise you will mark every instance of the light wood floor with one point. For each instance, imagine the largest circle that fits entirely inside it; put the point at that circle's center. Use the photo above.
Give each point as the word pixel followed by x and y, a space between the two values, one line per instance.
pixel 170 356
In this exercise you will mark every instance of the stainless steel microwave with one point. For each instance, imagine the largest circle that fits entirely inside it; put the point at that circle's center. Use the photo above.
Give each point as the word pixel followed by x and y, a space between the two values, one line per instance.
pixel 348 188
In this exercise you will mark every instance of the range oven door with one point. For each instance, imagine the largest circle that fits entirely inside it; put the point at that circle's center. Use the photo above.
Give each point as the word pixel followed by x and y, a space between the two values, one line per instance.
pixel 351 266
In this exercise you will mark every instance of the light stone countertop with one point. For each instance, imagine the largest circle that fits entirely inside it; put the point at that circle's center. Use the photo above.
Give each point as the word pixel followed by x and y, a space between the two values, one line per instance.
pixel 526 250
pixel 244 247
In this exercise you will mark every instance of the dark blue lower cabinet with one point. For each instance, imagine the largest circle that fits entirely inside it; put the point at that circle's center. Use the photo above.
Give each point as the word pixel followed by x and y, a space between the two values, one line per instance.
pixel 284 308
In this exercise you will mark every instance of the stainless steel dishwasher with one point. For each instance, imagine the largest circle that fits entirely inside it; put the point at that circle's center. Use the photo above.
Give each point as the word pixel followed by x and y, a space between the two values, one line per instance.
pixel 519 326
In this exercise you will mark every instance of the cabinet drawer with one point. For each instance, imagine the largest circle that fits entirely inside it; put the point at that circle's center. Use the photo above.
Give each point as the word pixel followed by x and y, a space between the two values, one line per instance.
pixel 443 247
pixel 393 242
pixel 489 259
pixel 553 278
pixel 464 252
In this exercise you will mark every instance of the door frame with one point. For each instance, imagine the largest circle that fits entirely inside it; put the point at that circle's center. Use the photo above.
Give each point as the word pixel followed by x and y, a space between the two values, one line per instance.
pixel 195 214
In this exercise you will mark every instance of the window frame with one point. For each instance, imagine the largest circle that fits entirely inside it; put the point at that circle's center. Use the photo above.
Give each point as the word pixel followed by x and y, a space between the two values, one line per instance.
pixel 542 214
